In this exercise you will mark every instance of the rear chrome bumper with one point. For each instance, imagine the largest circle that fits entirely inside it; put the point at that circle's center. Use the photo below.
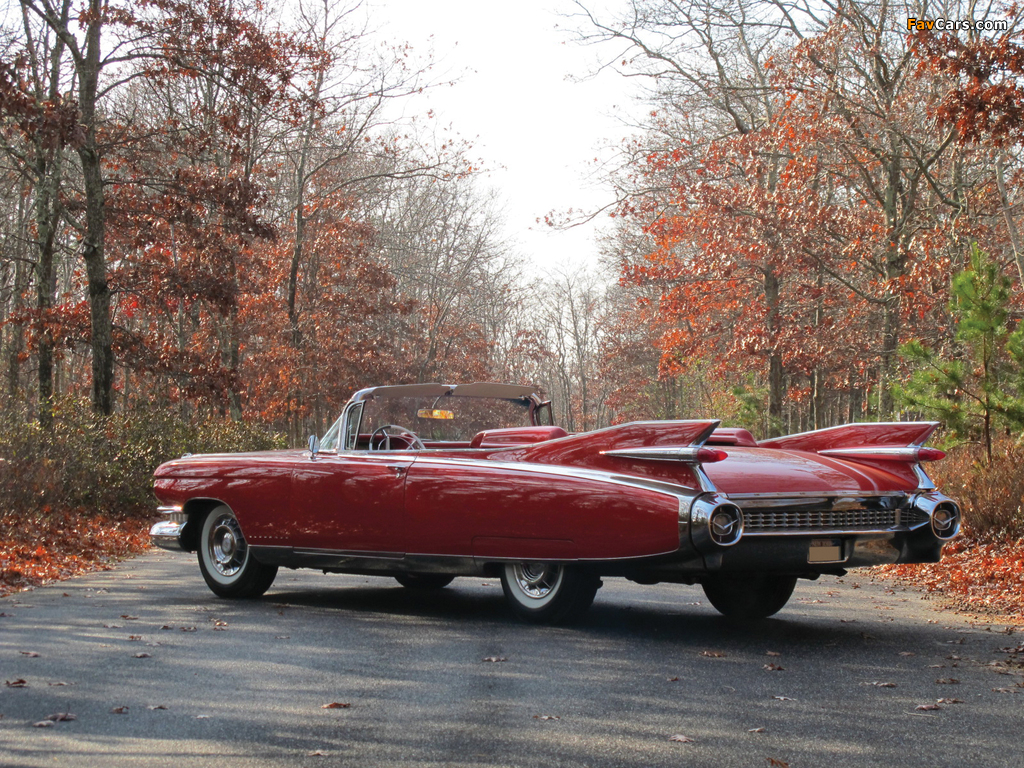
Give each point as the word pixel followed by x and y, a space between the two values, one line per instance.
pixel 167 533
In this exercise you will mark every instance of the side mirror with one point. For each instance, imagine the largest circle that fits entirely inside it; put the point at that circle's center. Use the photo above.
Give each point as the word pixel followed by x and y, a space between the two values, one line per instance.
pixel 314 446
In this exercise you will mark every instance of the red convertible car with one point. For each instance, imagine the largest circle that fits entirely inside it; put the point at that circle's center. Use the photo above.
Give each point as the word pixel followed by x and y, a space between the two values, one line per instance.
pixel 426 482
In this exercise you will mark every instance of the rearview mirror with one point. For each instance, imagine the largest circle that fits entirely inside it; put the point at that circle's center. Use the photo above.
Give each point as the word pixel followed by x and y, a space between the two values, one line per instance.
pixel 433 413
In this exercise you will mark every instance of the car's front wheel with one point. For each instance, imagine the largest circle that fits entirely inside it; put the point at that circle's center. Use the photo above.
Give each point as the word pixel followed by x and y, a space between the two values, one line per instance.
pixel 225 560
pixel 749 596
pixel 548 593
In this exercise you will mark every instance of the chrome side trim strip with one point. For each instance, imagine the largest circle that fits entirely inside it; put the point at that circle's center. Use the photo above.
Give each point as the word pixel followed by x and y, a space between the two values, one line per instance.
pixel 555 470
pixel 686 453
pixel 345 553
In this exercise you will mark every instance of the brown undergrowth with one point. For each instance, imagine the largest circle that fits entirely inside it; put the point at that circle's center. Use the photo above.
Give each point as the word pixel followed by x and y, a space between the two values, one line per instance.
pixel 974 576
pixel 52 546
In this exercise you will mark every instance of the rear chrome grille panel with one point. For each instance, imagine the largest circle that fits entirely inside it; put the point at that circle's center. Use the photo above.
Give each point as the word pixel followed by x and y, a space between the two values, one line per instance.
pixel 774 515
pixel 756 521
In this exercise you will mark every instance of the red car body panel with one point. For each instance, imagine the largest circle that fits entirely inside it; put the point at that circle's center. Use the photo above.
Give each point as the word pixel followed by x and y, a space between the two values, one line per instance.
pixel 464 506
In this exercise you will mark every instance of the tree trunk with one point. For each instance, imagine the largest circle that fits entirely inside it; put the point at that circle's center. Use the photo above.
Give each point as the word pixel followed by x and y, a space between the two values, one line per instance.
pixel 776 371
pixel 47 218
pixel 95 220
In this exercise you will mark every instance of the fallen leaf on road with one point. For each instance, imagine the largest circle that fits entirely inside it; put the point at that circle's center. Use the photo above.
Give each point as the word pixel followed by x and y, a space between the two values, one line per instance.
pixel 682 739
pixel 30 654
pixel 134 637
pixel 951 701
pixel 880 684
pixel 1018 649
pixel 772 762
pixel 496 659
pixel 927 707
pixel 713 654
pixel 773 668
pixel 547 717
pixel 907 653
pixel 156 706
pixel 673 679
pixel 783 698
pixel 123 710
pixel 772 653
pixel 336 705
pixel 126 617
pixel 142 655
pixel 1006 690
pixel 56 683
pixel 947 681
pixel 43 724
pixel 317 753
pixel 61 717
pixel 755 730
pixel 167 626
pixel 188 629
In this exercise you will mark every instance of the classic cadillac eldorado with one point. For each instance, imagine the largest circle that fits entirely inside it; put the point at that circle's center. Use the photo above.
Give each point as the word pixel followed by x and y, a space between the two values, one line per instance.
pixel 426 482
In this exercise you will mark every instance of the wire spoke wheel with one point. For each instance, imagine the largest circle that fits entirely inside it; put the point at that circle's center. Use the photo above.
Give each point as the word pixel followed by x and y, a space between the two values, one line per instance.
pixel 227 564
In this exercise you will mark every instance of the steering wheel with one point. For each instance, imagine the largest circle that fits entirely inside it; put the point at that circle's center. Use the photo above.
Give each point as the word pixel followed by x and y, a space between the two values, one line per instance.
pixel 396 431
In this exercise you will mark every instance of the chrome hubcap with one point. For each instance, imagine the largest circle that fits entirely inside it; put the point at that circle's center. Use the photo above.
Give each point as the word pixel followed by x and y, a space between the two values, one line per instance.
pixel 227 546
pixel 537 580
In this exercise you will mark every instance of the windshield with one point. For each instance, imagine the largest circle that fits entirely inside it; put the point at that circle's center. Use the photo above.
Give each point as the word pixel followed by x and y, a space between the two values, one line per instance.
pixel 446 418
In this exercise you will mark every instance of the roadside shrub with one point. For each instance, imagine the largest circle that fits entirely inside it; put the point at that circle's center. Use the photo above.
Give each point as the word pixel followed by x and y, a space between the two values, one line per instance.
pixel 991 493
pixel 89 463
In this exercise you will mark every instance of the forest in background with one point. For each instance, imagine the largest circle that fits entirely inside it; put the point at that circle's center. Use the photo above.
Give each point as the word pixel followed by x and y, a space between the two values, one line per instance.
pixel 215 224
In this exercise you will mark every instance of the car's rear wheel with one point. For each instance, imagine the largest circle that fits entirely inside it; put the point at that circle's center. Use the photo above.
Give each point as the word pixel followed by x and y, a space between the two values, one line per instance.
pixel 749 596
pixel 227 564
pixel 424 580
pixel 548 593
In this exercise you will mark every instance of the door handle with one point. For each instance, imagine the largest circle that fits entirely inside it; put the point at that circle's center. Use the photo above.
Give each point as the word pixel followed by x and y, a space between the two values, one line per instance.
pixel 398 469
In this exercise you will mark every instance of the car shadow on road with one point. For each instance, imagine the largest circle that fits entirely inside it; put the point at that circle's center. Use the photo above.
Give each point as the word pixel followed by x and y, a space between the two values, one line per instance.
pixel 671 616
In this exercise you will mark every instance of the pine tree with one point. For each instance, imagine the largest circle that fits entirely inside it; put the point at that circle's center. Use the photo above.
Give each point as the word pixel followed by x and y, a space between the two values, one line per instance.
pixel 980 387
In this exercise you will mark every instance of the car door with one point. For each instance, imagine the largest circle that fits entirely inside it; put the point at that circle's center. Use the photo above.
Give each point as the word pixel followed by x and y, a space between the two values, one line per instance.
pixel 351 501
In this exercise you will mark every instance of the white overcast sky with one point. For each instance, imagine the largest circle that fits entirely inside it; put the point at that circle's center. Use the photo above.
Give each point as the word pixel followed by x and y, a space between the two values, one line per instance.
pixel 524 100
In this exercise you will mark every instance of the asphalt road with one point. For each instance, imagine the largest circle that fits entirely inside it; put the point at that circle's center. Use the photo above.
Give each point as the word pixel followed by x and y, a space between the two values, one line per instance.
pixel 160 672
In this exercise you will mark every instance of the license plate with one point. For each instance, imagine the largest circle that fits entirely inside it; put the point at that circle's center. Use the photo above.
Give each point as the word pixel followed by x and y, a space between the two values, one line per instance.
pixel 825 551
